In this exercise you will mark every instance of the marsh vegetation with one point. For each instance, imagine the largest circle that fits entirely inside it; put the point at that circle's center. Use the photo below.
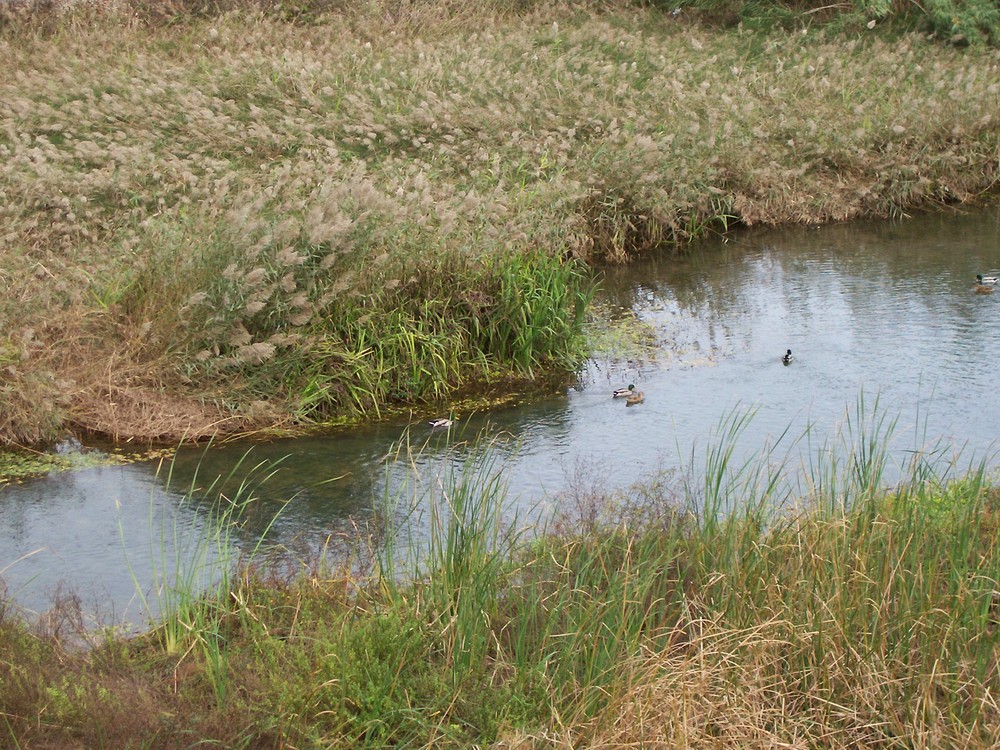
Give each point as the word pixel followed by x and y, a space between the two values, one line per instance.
pixel 289 213
pixel 706 609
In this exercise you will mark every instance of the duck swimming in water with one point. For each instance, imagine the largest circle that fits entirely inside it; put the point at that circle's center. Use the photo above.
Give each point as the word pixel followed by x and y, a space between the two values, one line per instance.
pixel 636 397
pixel 987 279
pixel 440 422
pixel 619 392
pixel 786 358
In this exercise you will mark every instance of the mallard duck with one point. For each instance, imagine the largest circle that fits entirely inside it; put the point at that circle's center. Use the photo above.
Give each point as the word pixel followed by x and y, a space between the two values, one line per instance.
pixel 635 397
pixel 983 289
pixel 619 392
pixel 786 358
pixel 987 279
pixel 441 422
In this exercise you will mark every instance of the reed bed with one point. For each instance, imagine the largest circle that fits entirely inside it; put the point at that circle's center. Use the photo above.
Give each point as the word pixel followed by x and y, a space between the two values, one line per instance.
pixel 706 611
pixel 239 220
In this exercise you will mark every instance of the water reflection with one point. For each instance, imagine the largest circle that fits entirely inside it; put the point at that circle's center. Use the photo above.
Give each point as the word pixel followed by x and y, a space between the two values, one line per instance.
pixel 883 309
pixel 85 532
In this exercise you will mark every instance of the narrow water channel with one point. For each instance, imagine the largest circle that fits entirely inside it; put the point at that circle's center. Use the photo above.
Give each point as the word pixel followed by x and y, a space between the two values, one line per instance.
pixel 879 311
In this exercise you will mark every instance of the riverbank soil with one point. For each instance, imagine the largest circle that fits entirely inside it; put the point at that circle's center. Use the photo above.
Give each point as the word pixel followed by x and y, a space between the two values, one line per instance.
pixel 212 223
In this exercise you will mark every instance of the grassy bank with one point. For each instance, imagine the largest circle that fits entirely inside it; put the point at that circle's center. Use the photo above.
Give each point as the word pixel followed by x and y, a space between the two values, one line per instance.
pixel 227 222
pixel 707 612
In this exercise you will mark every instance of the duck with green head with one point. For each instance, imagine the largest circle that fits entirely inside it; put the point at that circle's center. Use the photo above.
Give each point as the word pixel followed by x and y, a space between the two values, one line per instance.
pixel 620 392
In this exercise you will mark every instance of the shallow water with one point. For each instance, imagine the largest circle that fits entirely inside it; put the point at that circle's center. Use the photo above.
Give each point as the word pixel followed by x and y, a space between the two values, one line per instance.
pixel 879 312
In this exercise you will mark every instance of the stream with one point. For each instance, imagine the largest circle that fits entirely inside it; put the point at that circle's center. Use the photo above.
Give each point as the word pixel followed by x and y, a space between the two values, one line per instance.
pixel 881 317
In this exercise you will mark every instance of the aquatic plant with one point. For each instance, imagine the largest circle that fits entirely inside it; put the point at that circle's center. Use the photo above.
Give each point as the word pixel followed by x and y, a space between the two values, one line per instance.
pixel 456 537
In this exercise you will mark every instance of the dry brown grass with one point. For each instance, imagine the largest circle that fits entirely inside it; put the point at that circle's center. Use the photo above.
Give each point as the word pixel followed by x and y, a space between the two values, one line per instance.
pixel 731 690
pixel 150 415
pixel 106 386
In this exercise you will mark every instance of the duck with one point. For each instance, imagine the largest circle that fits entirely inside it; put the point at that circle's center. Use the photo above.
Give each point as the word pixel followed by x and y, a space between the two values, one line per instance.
pixel 619 392
pixel 987 279
pixel 441 422
pixel 786 358
pixel 635 397
pixel 983 289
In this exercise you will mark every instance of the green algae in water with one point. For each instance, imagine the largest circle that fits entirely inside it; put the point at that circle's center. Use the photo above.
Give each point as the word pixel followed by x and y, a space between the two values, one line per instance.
pixel 19 465
pixel 617 333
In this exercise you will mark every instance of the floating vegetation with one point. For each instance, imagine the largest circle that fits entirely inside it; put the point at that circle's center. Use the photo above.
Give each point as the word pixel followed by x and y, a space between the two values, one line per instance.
pixel 617 334
pixel 18 465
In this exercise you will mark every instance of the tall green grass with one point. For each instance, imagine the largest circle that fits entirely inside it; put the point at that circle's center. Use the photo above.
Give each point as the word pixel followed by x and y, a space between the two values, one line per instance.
pixel 191 599
pixel 516 315
pixel 454 534
pixel 862 611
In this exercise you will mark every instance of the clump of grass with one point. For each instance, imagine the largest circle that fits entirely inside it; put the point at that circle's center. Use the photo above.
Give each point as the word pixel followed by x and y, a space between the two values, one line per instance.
pixel 296 323
pixel 192 605
pixel 959 22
